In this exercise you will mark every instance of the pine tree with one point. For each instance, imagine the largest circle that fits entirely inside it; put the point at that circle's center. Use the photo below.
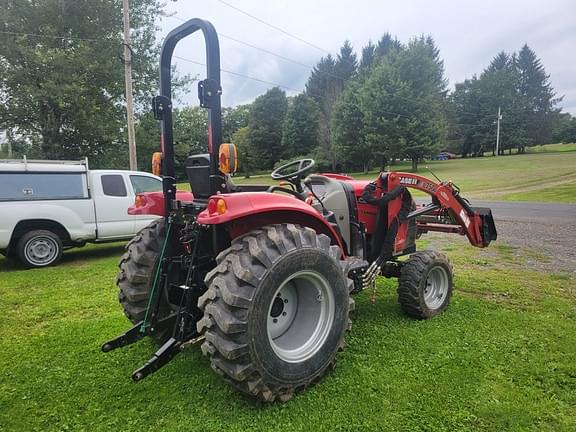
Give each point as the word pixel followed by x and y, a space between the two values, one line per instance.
pixel 367 58
pixel 519 85
pixel 538 96
pixel 346 65
pixel 348 129
pixel 499 89
pixel 403 103
pixel 325 85
pixel 386 45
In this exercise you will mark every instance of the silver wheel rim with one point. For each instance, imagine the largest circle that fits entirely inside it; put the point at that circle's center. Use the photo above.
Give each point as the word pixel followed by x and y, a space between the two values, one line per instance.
pixel 436 288
pixel 41 250
pixel 300 316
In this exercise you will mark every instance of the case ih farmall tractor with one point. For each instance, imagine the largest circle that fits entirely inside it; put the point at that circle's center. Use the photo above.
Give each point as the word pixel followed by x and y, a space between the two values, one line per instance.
pixel 263 275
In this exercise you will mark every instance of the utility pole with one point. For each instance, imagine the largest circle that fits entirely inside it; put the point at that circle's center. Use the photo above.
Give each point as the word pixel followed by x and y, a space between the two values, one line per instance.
pixel 498 130
pixel 9 142
pixel 128 79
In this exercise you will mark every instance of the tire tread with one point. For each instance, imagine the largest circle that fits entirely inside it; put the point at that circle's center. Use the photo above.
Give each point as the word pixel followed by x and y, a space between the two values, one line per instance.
pixel 231 289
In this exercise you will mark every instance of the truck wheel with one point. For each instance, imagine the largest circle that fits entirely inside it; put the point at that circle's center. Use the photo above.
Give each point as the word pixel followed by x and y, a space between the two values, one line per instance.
pixel 136 275
pixel 39 248
pixel 425 284
pixel 276 311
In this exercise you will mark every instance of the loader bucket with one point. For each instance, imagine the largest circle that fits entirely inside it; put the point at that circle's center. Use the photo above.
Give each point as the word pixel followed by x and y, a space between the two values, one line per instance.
pixel 488 229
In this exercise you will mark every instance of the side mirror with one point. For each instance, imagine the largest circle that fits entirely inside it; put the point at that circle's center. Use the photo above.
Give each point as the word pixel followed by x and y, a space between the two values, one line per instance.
pixel 228 158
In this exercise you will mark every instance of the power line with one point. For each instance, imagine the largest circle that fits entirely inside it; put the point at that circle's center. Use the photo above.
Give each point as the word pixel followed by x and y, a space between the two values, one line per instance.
pixel 293 36
pixel 310 67
pixel 55 37
pixel 223 70
pixel 272 53
pixel 297 90
pixel 288 59
pixel 239 74
pixel 229 71
pixel 277 84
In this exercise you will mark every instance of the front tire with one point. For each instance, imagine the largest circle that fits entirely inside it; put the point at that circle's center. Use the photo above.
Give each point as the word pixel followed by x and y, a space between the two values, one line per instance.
pixel 276 311
pixel 425 284
pixel 39 248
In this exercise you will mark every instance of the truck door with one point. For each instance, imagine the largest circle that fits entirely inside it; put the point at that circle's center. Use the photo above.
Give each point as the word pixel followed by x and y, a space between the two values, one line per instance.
pixel 142 183
pixel 112 198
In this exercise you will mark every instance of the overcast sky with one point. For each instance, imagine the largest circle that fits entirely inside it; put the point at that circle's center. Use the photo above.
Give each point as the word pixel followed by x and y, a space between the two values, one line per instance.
pixel 468 33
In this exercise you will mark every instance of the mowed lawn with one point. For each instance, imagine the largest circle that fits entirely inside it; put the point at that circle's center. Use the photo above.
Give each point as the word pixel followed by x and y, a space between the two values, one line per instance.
pixel 547 174
pixel 503 357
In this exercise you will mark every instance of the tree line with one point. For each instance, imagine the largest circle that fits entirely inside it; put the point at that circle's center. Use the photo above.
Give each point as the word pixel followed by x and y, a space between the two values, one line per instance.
pixel 63 98
pixel 393 103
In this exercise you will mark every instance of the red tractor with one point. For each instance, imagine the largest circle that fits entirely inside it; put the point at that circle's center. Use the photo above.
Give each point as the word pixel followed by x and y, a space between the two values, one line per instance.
pixel 263 275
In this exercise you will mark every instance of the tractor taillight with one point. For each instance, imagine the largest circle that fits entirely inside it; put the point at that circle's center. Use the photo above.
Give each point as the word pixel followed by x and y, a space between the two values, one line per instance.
pixel 221 206
pixel 216 206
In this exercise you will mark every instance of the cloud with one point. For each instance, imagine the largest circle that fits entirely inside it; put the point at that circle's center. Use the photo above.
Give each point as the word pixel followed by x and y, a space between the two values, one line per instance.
pixel 468 33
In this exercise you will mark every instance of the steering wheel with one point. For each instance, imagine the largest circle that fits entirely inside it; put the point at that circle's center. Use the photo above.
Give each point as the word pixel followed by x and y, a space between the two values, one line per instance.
pixel 304 165
pixel 294 177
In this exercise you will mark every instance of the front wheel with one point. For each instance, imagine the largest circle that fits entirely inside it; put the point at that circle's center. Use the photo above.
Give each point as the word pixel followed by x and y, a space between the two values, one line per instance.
pixel 276 311
pixel 425 284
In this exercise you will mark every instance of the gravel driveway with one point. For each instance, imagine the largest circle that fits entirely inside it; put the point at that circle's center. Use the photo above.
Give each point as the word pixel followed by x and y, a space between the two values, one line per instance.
pixel 548 229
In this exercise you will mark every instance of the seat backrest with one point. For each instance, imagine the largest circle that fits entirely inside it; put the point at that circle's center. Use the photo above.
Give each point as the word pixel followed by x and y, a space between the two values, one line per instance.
pixel 198 173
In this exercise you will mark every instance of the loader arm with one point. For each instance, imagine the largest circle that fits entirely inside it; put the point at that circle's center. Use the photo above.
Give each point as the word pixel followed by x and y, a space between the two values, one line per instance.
pixel 475 223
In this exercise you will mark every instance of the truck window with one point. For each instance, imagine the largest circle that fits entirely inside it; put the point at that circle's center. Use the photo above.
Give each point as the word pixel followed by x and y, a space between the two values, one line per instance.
pixel 31 186
pixel 145 184
pixel 113 185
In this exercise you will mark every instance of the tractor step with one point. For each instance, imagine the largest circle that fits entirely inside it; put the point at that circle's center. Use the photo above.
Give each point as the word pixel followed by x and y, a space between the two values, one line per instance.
pixel 356 269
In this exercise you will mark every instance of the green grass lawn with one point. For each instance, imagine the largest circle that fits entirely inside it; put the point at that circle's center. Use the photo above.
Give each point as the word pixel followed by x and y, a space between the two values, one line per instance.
pixel 562 193
pixel 503 357
pixel 547 173
pixel 545 148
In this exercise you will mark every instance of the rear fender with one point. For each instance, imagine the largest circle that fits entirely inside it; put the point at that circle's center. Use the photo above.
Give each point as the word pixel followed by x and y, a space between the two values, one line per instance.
pixel 247 211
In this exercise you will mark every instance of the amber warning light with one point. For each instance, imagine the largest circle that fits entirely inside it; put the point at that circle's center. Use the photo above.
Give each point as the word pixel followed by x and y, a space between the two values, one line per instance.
pixel 157 163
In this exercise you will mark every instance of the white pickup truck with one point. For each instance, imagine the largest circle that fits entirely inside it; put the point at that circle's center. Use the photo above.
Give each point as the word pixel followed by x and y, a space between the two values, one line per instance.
pixel 48 206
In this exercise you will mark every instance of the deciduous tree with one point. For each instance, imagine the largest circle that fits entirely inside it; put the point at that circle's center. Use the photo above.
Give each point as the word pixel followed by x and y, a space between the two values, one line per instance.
pixel 265 127
pixel 300 131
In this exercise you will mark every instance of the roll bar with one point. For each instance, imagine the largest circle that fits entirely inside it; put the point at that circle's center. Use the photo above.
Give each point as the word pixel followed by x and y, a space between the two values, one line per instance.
pixel 209 93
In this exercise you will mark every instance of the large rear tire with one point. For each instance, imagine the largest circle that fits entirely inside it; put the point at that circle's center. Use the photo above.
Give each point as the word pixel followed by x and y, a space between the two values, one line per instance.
pixel 136 275
pixel 425 284
pixel 276 311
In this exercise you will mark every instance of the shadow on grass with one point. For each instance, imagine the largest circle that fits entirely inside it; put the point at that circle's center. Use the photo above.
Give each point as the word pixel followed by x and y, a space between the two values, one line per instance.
pixel 93 253
pixel 71 256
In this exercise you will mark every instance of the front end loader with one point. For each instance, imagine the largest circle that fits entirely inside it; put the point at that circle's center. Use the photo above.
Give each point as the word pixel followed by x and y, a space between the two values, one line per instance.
pixel 263 276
